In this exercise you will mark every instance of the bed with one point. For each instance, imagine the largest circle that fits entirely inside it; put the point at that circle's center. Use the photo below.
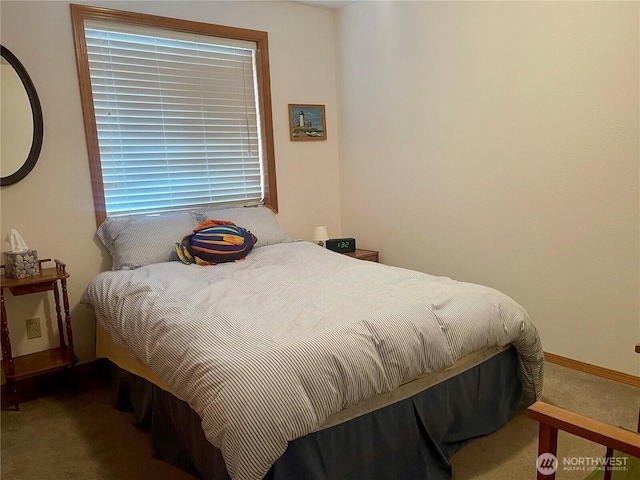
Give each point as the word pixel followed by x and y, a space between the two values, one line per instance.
pixel 298 362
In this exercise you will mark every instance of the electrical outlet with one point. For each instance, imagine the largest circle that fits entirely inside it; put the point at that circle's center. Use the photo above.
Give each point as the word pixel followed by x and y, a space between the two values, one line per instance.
pixel 33 328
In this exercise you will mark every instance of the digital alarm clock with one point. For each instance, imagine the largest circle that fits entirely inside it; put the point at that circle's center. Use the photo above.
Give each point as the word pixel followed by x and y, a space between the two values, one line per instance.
pixel 342 245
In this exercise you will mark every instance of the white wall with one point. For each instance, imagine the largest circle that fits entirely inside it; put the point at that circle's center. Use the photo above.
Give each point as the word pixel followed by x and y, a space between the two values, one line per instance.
pixel 497 143
pixel 53 207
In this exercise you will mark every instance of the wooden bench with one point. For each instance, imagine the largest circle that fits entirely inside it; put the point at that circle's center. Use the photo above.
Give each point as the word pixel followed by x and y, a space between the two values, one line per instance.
pixel 553 418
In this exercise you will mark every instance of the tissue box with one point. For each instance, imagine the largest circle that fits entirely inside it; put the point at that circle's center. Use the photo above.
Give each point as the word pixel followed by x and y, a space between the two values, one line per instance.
pixel 21 264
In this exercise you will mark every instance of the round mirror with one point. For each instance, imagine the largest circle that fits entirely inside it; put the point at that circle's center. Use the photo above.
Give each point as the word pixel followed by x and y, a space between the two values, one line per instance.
pixel 21 124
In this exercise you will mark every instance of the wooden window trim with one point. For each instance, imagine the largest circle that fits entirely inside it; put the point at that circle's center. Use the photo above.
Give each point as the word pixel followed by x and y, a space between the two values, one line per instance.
pixel 81 12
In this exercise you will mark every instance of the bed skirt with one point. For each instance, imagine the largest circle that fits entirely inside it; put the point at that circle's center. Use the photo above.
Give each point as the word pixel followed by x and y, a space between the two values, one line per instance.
pixel 412 439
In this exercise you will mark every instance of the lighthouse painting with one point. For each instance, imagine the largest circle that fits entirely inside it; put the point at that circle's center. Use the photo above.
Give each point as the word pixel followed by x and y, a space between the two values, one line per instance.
pixel 307 122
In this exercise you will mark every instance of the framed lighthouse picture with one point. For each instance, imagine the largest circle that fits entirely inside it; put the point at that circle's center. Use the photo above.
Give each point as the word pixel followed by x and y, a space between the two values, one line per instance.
pixel 307 122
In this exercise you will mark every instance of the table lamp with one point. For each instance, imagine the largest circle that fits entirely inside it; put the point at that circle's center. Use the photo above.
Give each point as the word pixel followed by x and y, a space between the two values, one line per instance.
pixel 320 234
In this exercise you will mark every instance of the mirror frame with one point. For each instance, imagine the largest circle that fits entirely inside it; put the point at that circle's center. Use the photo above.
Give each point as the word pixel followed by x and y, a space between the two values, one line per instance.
pixel 36 112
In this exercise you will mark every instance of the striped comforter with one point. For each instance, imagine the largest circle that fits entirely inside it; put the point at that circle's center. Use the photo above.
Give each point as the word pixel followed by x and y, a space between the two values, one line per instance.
pixel 265 349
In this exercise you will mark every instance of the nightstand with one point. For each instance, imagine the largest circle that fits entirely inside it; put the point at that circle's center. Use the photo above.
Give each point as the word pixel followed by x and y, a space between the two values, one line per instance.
pixel 34 364
pixel 362 254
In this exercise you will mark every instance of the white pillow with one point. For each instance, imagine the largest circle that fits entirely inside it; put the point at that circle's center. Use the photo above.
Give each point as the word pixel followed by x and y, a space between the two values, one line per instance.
pixel 139 240
pixel 259 220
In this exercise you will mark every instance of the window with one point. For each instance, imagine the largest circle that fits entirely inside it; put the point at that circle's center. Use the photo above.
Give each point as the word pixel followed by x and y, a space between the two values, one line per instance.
pixel 177 113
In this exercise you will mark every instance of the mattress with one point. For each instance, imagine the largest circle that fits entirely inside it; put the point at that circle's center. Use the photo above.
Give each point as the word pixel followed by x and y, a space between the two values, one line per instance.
pixel 105 348
pixel 269 349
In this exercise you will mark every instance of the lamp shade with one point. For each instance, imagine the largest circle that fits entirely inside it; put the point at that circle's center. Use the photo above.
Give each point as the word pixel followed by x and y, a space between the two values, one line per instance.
pixel 320 233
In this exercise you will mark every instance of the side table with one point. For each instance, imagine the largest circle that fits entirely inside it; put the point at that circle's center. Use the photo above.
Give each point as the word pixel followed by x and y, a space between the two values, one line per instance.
pixel 34 364
pixel 362 254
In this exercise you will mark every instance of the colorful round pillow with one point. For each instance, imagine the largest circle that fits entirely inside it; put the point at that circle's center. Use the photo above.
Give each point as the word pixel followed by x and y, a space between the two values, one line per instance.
pixel 215 241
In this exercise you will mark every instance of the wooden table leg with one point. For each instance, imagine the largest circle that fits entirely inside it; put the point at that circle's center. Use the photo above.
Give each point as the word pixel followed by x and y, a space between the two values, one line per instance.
pixel 638 351
pixel 67 319
pixel 7 355
pixel 74 379
pixel 6 341
pixel 13 391
pixel 67 315
pixel 56 297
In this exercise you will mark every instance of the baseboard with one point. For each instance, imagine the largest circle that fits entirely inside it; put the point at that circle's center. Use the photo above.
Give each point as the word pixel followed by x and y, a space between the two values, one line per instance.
pixel 97 368
pixel 592 369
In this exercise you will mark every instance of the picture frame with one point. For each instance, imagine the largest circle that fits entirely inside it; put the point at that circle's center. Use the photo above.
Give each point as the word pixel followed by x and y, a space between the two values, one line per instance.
pixel 313 120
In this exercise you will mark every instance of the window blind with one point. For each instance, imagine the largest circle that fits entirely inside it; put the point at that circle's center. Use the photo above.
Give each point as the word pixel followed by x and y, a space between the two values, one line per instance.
pixel 177 118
